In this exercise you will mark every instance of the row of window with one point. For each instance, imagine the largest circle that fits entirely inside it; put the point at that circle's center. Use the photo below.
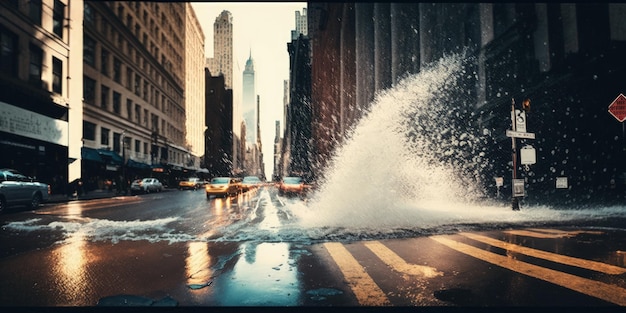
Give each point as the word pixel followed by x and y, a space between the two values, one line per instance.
pixel 170 50
pixel 34 10
pixel 111 101
pixel 140 148
pixel 9 62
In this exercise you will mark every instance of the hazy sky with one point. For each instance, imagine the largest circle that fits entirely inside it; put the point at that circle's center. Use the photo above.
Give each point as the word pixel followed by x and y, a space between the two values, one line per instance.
pixel 263 29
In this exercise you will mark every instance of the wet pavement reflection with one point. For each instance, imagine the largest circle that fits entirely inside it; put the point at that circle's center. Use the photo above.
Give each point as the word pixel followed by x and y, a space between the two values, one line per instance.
pixel 185 250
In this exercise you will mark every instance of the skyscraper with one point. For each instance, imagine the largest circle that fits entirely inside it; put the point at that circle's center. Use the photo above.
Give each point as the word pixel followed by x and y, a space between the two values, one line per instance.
pixel 249 102
pixel 222 61
pixel 301 25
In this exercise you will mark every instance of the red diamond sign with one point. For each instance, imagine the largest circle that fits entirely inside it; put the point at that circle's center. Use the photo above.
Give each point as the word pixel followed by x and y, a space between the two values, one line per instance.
pixel 617 108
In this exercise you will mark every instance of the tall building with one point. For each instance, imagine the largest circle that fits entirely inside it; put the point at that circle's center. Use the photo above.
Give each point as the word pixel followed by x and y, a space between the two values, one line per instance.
pixel 133 90
pixel 41 114
pixel 222 61
pixel 249 101
pixel 301 25
pixel 219 139
pixel 194 89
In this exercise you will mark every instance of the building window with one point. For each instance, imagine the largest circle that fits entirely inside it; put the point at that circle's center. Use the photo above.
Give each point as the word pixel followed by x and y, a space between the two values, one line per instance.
pixel 8 52
pixel 137 145
pixel 137 113
pixel 129 78
pixel 104 62
pixel 117 70
pixel 34 11
pixel 145 90
pixel 155 123
pixel 57 17
pixel 104 136
pixel 57 75
pixel 88 14
pixel 145 117
pixel 129 109
pixel 104 98
pixel 89 90
pixel 34 67
pixel 89 131
pixel 137 85
pixel 117 138
pixel 117 102
pixel 89 51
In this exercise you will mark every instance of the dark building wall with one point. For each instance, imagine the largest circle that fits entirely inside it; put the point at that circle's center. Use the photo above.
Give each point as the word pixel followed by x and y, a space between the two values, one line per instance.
pixel 299 122
pixel 332 42
pixel 560 56
pixel 218 135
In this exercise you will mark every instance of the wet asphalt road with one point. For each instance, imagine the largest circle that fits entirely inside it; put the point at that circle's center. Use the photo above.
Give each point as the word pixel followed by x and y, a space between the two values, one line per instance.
pixel 178 248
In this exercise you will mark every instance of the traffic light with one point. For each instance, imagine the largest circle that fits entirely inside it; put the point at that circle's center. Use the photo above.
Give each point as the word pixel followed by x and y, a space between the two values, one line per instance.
pixel 526 105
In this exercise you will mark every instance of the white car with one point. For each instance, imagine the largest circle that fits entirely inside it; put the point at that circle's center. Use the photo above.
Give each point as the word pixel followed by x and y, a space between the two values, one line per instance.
pixel 146 185
pixel 19 189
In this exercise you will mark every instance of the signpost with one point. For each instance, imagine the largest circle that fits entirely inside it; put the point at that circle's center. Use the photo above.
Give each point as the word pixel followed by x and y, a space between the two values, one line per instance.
pixel 518 125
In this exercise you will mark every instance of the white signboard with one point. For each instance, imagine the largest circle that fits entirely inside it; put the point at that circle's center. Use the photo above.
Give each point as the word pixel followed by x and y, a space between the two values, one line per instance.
pixel 499 181
pixel 516 134
pixel 528 155
pixel 520 121
pixel 561 182
pixel 518 187
pixel 25 123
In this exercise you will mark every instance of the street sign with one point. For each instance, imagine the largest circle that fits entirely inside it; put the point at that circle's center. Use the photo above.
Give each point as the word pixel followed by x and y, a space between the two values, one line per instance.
pixel 510 133
pixel 561 182
pixel 528 155
pixel 520 121
pixel 518 187
pixel 499 181
pixel 617 108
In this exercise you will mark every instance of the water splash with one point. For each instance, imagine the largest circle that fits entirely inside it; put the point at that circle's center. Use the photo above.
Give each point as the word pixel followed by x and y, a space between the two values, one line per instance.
pixel 393 170
pixel 413 165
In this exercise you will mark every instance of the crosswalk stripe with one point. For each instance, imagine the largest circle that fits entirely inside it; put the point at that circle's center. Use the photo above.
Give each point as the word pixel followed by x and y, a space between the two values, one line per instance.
pixel 589 287
pixel 365 289
pixel 533 234
pixel 563 259
pixel 567 232
pixel 398 264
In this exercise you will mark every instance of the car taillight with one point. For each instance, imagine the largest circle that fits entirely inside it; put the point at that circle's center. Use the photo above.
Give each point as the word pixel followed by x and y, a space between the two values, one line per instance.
pixel 49 191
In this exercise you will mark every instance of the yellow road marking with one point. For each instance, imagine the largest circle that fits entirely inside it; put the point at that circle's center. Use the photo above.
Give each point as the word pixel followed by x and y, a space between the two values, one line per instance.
pixel 398 264
pixel 527 233
pixel 366 290
pixel 589 287
pixel 567 232
pixel 563 259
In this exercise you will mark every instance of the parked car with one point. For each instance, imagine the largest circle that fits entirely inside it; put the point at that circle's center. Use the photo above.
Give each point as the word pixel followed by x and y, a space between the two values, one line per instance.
pixel 191 183
pixel 19 189
pixel 146 185
pixel 293 185
pixel 222 187
pixel 250 183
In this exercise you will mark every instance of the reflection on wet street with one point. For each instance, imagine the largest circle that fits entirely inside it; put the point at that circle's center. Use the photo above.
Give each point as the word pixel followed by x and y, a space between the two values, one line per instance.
pixel 264 274
pixel 181 249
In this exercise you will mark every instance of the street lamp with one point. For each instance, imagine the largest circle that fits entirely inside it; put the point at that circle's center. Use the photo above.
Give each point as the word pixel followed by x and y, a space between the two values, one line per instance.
pixel 123 180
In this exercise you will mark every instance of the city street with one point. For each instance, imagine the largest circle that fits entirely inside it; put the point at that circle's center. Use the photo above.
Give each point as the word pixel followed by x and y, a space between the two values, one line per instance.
pixel 177 248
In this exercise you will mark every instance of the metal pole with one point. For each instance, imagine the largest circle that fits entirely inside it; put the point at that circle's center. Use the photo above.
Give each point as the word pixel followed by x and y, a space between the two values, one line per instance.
pixel 514 200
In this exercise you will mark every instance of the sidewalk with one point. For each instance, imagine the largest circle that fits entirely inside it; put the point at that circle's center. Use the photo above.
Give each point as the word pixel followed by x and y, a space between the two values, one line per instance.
pixel 94 194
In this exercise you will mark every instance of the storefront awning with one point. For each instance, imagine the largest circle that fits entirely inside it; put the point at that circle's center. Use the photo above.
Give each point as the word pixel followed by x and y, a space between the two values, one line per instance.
pixel 90 154
pixel 111 157
pixel 139 165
